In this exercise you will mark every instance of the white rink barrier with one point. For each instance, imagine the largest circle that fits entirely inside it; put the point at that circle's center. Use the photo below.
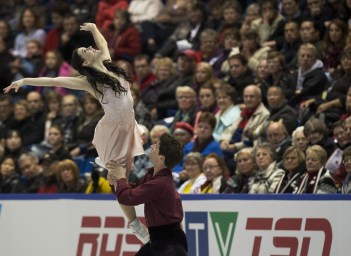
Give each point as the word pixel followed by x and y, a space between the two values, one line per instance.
pixel 216 225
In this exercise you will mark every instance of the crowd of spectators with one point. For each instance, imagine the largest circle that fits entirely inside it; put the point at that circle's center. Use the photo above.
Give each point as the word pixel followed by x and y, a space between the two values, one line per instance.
pixel 257 92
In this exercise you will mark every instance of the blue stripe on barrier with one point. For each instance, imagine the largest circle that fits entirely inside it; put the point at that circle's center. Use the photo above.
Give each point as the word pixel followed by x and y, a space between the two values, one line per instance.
pixel 242 197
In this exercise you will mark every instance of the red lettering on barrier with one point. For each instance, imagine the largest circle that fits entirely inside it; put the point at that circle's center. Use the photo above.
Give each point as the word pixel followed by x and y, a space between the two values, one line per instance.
pixel 288 224
pixel 114 222
pixel 117 249
pixel 91 222
pixel 286 242
pixel 291 243
pixel 324 226
pixel 92 240
pixel 258 224
pixel 88 239
pixel 305 246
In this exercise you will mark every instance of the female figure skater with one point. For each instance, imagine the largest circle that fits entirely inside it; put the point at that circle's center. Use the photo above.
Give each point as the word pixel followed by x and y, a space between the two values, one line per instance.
pixel 117 136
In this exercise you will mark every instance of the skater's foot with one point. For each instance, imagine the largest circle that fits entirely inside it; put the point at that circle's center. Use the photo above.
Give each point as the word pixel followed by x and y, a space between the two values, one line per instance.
pixel 99 162
pixel 140 231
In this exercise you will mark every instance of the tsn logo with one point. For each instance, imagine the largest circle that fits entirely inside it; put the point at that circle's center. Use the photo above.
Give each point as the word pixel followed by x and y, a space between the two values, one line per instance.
pixel 111 237
pixel 261 236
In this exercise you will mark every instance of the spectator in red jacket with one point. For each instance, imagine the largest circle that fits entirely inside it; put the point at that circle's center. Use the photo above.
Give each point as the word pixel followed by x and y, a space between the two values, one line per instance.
pixel 143 73
pixel 122 37
pixel 106 11
pixel 53 36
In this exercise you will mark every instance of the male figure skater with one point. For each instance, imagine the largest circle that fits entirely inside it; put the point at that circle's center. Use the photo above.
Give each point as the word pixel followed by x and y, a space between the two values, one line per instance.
pixel 162 204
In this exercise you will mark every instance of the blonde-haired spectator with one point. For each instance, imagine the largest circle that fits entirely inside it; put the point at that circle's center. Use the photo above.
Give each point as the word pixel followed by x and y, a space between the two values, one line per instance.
pixel 245 170
pixel 164 69
pixel 203 75
pixel 187 107
pixel 317 179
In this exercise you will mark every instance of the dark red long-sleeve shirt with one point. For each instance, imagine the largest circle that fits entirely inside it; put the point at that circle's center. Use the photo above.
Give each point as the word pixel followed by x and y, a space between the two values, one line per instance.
pixel 163 205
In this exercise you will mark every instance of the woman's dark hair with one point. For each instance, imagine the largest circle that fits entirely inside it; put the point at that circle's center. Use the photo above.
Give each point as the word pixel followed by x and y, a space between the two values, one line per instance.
pixel 198 6
pixel 52 96
pixel 13 132
pixel 14 161
pixel 95 77
pixel 207 117
pixel 315 125
pixel 208 86
pixel 87 97
pixel 9 35
pixel 20 25
pixel 59 128
pixel 59 58
pixel 344 29
pixel 227 90
pixel 125 15
pixel 279 55
pixel 232 32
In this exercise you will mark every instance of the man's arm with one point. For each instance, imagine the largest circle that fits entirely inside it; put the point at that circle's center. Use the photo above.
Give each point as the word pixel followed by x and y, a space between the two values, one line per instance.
pixel 126 195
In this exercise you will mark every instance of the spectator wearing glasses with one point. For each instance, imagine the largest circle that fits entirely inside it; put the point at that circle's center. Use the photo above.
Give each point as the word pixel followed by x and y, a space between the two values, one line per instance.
pixel 317 179
pixel 193 172
pixel 216 172
pixel 31 172
pixel 269 174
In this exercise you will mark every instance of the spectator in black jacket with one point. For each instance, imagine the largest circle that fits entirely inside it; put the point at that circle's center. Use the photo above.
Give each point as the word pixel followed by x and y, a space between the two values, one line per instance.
pixel 6 114
pixel 309 81
pixel 72 38
pixel 166 103
pixel 31 172
pixel 9 177
pixel 316 133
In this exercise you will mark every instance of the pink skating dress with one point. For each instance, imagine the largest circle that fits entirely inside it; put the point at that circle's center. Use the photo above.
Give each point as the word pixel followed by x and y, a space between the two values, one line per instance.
pixel 117 135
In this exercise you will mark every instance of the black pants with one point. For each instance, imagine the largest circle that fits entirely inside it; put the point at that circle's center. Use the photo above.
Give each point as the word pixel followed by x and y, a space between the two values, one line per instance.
pixel 167 240
pixel 171 250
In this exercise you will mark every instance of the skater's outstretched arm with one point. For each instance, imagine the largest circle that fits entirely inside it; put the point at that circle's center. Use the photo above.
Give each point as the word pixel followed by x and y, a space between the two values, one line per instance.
pixel 76 83
pixel 98 38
